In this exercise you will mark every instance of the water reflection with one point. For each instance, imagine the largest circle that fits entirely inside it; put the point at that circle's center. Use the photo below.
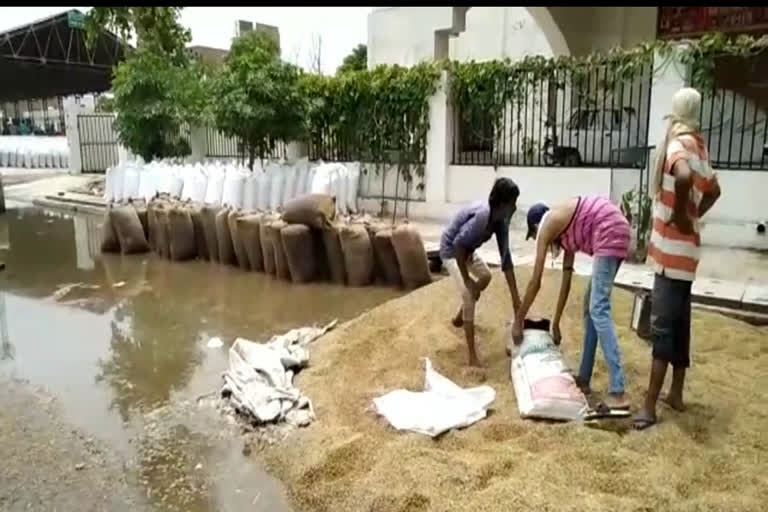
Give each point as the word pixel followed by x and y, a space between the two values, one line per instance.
pixel 6 347
pixel 117 338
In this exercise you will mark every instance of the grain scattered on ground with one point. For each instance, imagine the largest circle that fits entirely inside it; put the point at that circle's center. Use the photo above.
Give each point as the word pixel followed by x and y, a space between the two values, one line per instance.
pixel 711 458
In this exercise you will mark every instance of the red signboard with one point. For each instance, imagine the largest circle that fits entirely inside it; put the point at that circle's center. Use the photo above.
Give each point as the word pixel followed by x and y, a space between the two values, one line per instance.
pixel 679 22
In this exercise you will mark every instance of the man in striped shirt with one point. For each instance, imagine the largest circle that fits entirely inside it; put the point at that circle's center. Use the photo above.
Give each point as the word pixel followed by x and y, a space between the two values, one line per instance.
pixel 685 189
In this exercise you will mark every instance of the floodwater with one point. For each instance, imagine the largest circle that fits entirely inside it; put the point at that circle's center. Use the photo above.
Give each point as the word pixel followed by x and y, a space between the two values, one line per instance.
pixel 120 343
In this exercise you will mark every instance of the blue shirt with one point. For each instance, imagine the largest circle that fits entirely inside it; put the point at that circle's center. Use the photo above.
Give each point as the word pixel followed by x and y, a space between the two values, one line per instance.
pixel 471 228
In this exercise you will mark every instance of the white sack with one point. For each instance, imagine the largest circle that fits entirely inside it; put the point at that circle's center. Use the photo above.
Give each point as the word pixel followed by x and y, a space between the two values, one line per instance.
pixel 251 192
pixel 340 188
pixel 543 384
pixel 215 186
pixel 275 173
pixel 353 184
pixel 264 184
pixel 289 183
pixel 259 381
pixel 234 183
pixel 442 405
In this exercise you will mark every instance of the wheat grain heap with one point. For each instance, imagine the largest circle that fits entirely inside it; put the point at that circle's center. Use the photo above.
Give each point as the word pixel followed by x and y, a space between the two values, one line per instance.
pixel 712 457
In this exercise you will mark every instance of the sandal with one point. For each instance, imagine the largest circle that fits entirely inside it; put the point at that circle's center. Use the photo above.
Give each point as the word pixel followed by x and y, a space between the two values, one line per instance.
pixel 642 422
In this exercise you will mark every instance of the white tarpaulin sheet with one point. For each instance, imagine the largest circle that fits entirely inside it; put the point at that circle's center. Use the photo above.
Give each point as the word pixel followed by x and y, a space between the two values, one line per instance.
pixel 543 384
pixel 442 405
pixel 259 381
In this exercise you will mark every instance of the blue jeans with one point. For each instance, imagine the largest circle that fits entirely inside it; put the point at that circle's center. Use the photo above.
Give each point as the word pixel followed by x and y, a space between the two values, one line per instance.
pixel 598 324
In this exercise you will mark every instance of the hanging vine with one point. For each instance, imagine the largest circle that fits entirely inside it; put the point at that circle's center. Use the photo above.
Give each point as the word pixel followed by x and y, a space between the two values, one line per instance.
pixel 377 115
pixel 482 90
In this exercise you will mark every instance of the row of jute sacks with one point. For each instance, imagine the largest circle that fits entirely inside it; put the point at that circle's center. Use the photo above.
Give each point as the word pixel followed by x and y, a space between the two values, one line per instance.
pixel 34 152
pixel 307 241
pixel 230 184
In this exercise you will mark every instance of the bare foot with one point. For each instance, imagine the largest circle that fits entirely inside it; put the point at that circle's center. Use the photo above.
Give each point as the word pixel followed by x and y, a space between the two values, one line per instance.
pixel 674 402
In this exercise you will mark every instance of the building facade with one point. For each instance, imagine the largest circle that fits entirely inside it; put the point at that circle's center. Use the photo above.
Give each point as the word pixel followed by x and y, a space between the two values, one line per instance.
pixel 605 143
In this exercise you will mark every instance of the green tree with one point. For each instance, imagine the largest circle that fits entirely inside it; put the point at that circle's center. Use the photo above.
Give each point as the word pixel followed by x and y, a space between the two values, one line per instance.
pixel 256 96
pixel 155 99
pixel 355 61
pixel 152 26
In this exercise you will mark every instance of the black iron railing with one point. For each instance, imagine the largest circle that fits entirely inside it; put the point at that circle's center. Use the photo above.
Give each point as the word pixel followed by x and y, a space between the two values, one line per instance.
pixel 569 120
pixel 220 146
pixel 735 127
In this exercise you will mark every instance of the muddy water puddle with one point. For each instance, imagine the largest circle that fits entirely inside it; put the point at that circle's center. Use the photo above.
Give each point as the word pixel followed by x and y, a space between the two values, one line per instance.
pixel 121 343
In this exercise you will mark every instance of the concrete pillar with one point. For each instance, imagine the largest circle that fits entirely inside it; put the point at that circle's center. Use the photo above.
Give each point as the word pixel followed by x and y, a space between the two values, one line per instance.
pixel 71 110
pixel 295 150
pixel 439 143
pixel 198 143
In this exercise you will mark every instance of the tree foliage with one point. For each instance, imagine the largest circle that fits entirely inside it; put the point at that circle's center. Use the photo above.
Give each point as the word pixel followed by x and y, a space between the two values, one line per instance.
pixel 158 90
pixel 379 116
pixel 156 99
pixel 152 26
pixel 256 96
pixel 357 60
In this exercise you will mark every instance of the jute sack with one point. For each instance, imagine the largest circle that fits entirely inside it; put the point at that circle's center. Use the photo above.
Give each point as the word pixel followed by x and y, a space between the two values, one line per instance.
pixel 237 244
pixel 249 230
pixel 163 236
pixel 411 257
pixel 129 231
pixel 198 223
pixel 223 236
pixel 109 240
pixel 181 234
pixel 281 264
pixel 386 258
pixel 358 254
pixel 267 247
pixel 299 252
pixel 322 270
pixel 313 210
pixel 143 213
pixel 333 253
pixel 209 231
pixel 152 223
pixel 373 227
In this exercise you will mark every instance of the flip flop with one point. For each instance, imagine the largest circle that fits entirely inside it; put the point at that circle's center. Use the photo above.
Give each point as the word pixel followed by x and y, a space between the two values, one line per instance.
pixel 602 411
pixel 642 422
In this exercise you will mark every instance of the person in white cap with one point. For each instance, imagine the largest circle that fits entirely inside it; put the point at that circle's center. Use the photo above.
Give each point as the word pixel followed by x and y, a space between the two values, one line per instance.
pixel 685 188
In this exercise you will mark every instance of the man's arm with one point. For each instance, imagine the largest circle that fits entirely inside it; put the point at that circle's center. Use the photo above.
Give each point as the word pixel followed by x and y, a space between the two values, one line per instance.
pixel 565 285
pixel 502 239
pixel 710 197
pixel 543 240
pixel 683 184
pixel 565 289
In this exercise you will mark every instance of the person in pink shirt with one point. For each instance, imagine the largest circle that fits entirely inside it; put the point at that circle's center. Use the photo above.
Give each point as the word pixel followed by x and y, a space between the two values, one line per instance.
pixel 594 226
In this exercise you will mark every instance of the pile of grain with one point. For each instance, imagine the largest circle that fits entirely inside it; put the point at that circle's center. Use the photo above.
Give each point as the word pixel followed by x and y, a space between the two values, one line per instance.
pixel 711 458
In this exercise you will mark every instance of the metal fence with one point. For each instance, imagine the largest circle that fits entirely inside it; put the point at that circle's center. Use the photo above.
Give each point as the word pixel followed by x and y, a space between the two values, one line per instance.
pixel 39 117
pixel 333 147
pixel 98 141
pixel 734 114
pixel 220 146
pixel 569 120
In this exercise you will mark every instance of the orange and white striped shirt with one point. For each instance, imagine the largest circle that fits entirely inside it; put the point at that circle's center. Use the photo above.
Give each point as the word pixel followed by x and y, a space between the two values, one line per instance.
pixel 672 253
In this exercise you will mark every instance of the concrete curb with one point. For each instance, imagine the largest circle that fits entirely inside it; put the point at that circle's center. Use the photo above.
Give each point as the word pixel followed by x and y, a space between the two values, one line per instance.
pixel 69 206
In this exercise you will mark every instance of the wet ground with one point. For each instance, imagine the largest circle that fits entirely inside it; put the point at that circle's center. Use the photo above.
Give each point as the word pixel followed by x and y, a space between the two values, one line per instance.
pixel 103 360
